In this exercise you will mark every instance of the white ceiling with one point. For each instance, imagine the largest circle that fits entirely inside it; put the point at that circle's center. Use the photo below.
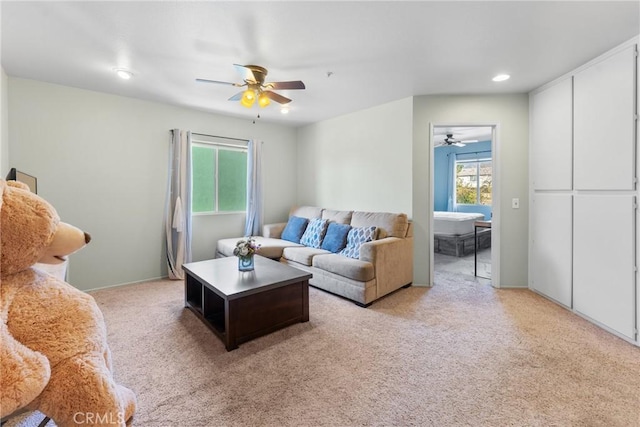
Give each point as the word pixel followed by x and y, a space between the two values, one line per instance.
pixel 377 51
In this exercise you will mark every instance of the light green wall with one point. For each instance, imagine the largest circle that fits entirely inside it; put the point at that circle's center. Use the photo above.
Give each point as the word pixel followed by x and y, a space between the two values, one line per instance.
pixel 101 160
pixel 4 125
pixel 359 161
pixel 510 113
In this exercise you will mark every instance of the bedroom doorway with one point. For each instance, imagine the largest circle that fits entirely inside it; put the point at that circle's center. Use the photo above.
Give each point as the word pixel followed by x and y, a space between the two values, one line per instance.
pixel 462 202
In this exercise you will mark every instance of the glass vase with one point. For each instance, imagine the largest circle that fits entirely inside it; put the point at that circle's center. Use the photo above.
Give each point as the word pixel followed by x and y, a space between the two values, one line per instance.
pixel 245 263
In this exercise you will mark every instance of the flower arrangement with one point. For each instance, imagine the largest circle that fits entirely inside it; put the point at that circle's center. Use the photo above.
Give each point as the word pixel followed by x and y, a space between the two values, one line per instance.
pixel 246 247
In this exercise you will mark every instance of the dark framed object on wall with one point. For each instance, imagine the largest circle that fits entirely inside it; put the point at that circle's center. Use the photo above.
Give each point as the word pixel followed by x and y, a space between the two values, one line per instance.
pixel 31 181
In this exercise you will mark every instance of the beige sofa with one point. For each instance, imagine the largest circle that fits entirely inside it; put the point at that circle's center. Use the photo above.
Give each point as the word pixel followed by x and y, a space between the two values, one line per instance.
pixel 384 265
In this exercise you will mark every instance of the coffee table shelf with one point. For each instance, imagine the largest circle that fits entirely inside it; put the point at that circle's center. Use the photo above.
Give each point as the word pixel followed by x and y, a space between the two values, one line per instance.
pixel 193 293
pixel 239 306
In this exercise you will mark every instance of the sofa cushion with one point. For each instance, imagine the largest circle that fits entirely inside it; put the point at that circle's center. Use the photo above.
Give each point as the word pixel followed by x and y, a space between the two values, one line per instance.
pixel 389 224
pixel 273 230
pixel 294 229
pixel 308 212
pixel 341 217
pixel 302 254
pixel 314 233
pixel 269 248
pixel 336 237
pixel 354 269
pixel 356 237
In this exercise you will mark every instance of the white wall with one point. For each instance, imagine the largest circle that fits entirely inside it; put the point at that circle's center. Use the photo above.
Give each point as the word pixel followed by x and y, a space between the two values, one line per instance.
pixel 378 159
pixel 359 161
pixel 101 160
pixel 510 112
pixel 4 125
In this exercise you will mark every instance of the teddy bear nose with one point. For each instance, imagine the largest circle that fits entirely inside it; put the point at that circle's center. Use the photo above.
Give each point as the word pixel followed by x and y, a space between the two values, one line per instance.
pixel 87 237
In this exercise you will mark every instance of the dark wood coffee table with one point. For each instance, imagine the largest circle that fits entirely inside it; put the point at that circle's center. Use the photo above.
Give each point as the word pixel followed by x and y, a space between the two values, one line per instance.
pixel 239 306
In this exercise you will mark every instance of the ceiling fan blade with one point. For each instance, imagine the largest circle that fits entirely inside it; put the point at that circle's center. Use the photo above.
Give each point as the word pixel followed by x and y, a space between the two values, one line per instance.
pixel 237 96
pixel 469 140
pixel 296 84
pixel 458 144
pixel 218 82
pixel 245 73
pixel 276 97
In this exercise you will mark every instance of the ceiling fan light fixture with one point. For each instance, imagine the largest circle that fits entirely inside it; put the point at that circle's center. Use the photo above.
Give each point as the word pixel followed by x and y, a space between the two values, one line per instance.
pixel 248 98
pixel 263 100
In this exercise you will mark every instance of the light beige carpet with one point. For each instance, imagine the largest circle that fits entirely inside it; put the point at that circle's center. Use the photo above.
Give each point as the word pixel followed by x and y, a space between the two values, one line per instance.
pixel 458 354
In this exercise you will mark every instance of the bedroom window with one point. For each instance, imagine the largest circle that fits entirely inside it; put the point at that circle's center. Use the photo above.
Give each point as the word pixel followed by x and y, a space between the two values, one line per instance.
pixel 219 181
pixel 473 182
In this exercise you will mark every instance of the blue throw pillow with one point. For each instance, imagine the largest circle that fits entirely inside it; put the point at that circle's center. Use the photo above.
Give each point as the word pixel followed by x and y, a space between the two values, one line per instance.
pixel 336 238
pixel 314 233
pixel 294 229
pixel 356 237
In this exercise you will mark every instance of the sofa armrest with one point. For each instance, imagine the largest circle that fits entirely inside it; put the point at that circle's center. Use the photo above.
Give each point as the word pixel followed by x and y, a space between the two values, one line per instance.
pixel 273 230
pixel 392 260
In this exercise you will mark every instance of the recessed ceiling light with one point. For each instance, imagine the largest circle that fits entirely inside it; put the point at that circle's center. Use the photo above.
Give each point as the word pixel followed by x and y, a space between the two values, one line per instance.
pixel 501 77
pixel 123 74
pixel 284 109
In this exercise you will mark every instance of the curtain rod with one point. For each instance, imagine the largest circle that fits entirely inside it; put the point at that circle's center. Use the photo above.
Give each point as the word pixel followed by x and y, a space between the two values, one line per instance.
pixel 472 152
pixel 223 137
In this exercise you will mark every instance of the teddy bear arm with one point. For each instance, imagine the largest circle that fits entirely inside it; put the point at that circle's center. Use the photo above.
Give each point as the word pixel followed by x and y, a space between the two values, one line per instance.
pixel 24 373
pixel 55 319
pixel 82 391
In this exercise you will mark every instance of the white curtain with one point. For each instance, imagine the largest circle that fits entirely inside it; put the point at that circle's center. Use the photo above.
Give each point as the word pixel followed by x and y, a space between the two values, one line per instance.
pixel 178 204
pixel 451 186
pixel 253 225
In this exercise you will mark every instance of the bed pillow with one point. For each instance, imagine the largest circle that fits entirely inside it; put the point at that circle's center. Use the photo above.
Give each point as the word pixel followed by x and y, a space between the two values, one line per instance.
pixel 336 238
pixel 294 229
pixel 356 237
pixel 314 233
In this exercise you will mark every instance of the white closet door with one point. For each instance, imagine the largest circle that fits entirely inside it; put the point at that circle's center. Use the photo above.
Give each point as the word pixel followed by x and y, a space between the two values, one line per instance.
pixel 551 137
pixel 603 261
pixel 604 124
pixel 551 250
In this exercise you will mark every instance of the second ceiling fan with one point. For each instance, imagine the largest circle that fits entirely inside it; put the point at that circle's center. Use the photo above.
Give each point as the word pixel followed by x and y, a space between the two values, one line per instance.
pixel 450 140
pixel 253 77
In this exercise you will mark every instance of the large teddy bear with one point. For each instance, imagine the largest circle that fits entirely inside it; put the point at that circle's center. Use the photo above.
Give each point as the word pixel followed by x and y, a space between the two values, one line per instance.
pixel 54 355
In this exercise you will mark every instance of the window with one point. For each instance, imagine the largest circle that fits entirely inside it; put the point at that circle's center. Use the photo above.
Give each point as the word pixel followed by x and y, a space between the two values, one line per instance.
pixel 219 175
pixel 473 182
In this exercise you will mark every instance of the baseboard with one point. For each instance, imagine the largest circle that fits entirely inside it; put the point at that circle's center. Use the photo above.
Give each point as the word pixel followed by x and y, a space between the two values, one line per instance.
pixel 125 284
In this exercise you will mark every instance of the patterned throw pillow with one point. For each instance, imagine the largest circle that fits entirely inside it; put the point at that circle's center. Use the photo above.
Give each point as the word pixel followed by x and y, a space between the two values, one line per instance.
pixel 356 237
pixel 336 238
pixel 314 233
pixel 294 229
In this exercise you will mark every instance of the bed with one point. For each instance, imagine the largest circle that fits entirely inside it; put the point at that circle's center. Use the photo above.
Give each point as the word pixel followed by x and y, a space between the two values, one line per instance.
pixel 453 233
pixel 454 222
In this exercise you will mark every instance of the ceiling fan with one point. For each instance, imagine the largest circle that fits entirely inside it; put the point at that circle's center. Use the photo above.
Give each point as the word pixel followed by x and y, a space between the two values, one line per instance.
pixel 450 140
pixel 256 89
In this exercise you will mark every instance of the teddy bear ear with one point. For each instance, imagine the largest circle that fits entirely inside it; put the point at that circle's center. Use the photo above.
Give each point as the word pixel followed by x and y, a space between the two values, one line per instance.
pixel 28 225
